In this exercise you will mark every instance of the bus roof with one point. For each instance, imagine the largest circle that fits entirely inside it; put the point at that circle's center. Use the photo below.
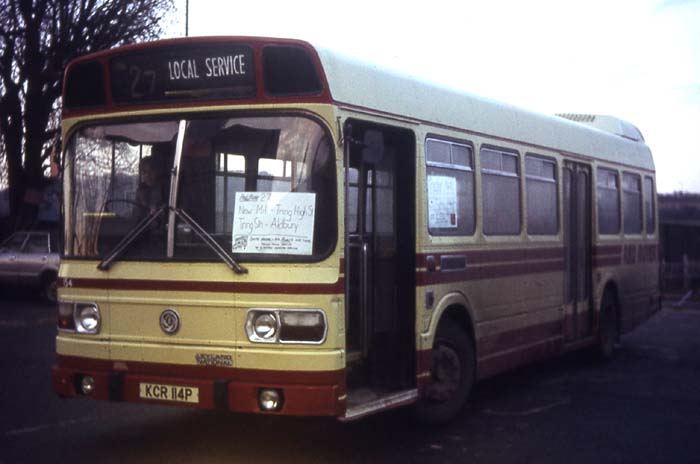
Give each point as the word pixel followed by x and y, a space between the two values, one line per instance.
pixel 351 83
pixel 355 83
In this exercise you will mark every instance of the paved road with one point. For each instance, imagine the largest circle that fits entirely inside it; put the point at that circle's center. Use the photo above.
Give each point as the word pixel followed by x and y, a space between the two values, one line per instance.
pixel 641 407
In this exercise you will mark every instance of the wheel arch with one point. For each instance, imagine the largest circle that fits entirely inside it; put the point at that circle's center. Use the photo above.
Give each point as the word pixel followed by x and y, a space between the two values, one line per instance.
pixel 455 310
pixel 456 307
pixel 48 273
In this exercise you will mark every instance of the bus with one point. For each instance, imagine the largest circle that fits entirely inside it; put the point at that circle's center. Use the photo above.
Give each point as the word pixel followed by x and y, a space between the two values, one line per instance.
pixel 261 225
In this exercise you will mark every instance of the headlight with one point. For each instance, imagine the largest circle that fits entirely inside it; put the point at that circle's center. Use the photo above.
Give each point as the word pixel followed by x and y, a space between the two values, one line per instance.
pixel 82 318
pixel 262 326
pixel 286 326
pixel 265 326
pixel 87 317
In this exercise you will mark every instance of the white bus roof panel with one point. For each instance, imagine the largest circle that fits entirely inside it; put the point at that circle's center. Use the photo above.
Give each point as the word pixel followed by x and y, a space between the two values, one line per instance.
pixel 358 83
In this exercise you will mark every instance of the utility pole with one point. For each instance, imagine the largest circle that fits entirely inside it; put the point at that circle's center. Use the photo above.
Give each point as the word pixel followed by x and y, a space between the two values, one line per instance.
pixel 187 18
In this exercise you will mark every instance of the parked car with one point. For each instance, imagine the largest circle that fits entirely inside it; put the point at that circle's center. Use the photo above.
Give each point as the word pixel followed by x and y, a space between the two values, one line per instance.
pixel 30 258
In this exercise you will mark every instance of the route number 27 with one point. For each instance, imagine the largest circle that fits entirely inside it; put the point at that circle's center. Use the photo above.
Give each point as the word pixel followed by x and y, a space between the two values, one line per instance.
pixel 143 82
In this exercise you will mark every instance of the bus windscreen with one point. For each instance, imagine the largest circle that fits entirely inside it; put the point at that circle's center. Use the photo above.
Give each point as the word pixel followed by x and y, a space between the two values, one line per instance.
pixel 263 187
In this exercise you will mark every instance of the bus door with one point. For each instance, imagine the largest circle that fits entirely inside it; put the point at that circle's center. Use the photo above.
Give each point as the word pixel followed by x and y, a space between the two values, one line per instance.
pixel 578 308
pixel 380 256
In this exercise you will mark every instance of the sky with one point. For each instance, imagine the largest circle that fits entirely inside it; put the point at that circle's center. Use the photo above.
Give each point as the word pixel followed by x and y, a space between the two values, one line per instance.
pixel 638 60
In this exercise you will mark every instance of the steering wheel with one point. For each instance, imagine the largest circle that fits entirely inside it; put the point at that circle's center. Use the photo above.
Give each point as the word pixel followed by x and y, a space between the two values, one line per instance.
pixel 133 203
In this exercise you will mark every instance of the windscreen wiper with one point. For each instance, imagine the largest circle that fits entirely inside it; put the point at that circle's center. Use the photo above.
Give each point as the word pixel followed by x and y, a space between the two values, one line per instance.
pixel 210 241
pixel 134 233
pixel 130 237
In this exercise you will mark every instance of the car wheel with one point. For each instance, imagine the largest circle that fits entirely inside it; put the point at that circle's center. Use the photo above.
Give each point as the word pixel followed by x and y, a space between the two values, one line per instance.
pixel 452 375
pixel 49 284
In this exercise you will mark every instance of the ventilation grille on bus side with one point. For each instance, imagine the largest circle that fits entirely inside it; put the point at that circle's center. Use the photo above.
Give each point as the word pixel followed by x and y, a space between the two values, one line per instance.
pixel 609 124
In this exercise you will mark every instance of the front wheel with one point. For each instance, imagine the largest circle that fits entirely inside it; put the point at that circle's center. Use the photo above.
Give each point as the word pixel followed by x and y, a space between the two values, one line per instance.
pixel 452 375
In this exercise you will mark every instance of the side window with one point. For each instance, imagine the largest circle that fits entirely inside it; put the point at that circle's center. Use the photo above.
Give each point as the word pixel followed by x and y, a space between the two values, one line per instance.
pixel 632 203
pixel 608 189
pixel 14 243
pixel 541 190
pixel 37 243
pixel 649 205
pixel 450 187
pixel 500 192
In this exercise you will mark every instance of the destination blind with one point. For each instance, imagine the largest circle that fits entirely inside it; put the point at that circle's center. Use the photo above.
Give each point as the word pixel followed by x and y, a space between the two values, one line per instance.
pixel 183 73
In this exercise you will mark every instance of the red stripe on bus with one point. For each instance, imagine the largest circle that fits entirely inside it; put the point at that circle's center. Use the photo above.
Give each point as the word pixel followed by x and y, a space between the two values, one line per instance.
pixel 607 255
pixel 505 350
pixel 492 256
pixel 216 287
pixel 607 261
pixel 196 105
pixel 204 372
pixel 489 272
pixel 527 354
pixel 512 339
pixel 607 250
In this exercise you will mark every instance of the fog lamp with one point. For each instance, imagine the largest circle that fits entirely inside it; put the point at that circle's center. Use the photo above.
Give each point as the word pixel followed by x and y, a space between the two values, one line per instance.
pixel 270 399
pixel 87 385
pixel 302 326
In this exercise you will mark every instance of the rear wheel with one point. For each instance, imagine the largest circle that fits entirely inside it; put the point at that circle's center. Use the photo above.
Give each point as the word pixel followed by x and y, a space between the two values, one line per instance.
pixel 607 328
pixel 452 375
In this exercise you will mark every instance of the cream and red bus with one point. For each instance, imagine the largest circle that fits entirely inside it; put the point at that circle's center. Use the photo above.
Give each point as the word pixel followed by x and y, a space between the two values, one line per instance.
pixel 264 226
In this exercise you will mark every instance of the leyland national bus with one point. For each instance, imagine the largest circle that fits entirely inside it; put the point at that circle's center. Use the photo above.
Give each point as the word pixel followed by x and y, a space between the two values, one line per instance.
pixel 260 225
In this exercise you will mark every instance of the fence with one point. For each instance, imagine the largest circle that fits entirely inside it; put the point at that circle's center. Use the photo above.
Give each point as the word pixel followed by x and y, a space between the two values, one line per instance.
pixel 683 276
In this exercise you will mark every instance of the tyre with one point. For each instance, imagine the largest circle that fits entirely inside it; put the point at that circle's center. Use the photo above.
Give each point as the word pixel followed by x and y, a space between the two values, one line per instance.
pixel 48 287
pixel 452 375
pixel 607 327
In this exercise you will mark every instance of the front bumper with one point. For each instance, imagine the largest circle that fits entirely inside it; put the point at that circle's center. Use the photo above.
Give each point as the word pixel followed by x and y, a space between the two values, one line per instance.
pixel 306 393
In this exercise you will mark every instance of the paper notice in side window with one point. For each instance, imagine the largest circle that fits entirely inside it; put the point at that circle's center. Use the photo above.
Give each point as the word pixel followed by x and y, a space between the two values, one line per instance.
pixel 274 223
pixel 442 202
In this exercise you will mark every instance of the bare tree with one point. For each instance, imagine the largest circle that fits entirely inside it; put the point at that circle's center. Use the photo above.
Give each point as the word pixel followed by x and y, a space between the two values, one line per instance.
pixel 37 39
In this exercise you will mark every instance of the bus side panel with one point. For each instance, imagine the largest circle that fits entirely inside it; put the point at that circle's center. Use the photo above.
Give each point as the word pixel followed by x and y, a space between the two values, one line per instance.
pixel 632 270
pixel 639 278
pixel 520 325
pixel 511 327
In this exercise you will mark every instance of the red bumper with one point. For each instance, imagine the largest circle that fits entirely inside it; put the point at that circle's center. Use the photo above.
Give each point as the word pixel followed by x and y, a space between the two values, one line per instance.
pixel 305 393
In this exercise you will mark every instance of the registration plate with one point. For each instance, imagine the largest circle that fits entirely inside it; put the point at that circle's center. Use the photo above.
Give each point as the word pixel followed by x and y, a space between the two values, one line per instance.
pixel 157 391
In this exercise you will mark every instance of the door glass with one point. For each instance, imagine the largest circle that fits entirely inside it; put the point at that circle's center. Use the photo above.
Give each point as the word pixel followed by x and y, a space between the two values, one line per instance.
pixel 583 230
pixel 369 201
pixel 351 203
pixel 569 223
